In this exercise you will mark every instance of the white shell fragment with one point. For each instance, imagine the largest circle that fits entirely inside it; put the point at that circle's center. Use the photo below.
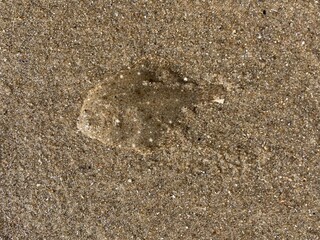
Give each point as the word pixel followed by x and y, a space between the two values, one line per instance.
pixel 219 100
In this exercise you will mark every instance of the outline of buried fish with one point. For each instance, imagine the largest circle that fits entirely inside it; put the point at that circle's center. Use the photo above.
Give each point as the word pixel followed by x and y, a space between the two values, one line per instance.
pixel 137 107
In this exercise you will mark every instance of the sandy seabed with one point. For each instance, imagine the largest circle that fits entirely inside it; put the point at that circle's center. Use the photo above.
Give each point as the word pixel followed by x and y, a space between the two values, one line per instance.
pixel 251 169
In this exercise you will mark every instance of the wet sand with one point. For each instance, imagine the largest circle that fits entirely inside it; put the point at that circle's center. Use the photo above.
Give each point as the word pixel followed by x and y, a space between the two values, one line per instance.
pixel 249 171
